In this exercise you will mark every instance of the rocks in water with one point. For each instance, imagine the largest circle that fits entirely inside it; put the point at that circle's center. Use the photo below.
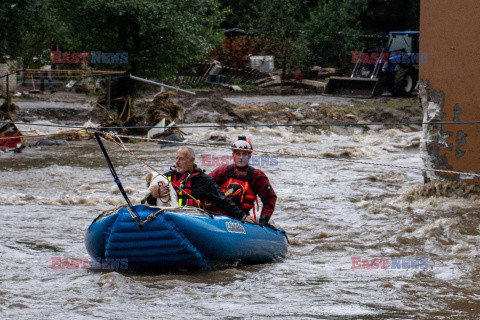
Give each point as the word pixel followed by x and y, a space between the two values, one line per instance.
pixel 217 138
pixel 51 142
pixel 391 115
pixel 174 138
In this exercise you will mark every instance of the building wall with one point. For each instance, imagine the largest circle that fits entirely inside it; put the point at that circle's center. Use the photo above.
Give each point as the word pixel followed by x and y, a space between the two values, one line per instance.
pixel 450 85
pixel 12 79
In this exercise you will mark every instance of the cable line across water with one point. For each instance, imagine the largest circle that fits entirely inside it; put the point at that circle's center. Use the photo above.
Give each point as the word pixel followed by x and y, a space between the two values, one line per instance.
pixel 278 153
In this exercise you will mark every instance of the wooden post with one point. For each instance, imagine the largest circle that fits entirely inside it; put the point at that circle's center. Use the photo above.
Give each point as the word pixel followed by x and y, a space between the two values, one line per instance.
pixel 8 95
pixel 108 93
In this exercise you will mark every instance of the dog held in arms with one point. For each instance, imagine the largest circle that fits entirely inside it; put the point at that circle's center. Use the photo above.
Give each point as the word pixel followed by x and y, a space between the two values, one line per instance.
pixel 153 178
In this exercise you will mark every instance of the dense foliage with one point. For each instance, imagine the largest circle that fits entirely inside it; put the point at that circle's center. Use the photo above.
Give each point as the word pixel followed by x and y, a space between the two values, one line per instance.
pixel 161 35
pixel 320 32
pixel 157 35
pixel 331 33
pixel 26 28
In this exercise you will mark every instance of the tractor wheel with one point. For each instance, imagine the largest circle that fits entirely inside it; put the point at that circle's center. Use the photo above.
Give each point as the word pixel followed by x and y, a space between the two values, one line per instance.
pixel 390 84
pixel 404 82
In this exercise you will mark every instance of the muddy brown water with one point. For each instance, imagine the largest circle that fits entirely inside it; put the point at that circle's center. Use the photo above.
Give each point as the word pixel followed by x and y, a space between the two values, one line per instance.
pixel 332 211
pixel 294 100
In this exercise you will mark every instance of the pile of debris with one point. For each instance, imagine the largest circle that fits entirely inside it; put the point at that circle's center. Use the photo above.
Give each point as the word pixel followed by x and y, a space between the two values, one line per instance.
pixel 9 132
pixel 216 73
pixel 163 107
pixel 315 78
pixel 10 135
pixel 209 109
pixel 8 109
pixel 162 113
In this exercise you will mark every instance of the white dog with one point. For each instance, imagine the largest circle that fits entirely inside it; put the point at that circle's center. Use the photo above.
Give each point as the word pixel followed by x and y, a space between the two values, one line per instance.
pixel 153 178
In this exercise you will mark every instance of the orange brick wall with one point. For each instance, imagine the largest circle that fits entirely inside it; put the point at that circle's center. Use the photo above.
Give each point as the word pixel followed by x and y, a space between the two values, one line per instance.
pixel 450 83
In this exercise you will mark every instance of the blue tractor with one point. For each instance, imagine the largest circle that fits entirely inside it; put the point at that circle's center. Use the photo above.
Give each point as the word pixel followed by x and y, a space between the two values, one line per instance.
pixel 394 69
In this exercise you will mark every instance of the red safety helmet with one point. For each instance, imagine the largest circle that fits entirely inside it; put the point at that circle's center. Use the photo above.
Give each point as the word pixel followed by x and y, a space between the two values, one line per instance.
pixel 242 144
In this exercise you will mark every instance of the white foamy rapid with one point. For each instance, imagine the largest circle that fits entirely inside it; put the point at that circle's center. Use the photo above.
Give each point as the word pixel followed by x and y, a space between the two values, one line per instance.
pixel 333 211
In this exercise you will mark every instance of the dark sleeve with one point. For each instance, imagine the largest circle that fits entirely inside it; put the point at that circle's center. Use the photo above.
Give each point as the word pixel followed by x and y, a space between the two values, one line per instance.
pixel 261 186
pixel 151 200
pixel 205 188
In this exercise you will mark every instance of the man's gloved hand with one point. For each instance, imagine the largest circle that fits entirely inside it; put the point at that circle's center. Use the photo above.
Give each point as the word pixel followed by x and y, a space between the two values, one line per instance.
pixel 263 220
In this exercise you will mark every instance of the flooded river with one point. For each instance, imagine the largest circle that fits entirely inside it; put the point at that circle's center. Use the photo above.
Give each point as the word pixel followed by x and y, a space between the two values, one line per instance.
pixel 420 241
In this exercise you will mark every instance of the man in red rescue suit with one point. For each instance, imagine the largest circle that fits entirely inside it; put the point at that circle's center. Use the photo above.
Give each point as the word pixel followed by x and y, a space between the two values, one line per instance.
pixel 243 183
pixel 196 183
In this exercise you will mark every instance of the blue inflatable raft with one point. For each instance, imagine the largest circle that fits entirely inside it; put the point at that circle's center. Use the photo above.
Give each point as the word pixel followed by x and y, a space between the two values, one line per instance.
pixel 183 236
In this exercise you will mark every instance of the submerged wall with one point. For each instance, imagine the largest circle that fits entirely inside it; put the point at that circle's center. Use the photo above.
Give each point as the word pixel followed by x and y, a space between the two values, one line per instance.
pixel 449 88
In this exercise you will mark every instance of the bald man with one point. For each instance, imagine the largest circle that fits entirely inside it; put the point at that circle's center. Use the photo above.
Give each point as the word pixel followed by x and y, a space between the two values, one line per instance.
pixel 195 187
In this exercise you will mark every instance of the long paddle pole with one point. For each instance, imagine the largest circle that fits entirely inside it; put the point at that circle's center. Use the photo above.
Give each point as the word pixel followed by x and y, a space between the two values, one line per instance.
pixel 131 209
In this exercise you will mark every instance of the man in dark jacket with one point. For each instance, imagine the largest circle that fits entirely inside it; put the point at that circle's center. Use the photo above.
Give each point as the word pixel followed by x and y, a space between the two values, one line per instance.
pixel 242 183
pixel 194 187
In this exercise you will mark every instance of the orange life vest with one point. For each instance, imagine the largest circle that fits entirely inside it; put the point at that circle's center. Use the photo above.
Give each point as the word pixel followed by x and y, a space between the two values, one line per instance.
pixel 239 190
pixel 185 183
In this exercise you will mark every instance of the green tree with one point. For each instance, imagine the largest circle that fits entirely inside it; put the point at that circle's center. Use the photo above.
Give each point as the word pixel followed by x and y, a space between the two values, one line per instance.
pixel 389 15
pixel 278 21
pixel 26 28
pixel 245 14
pixel 238 14
pixel 158 35
pixel 330 34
